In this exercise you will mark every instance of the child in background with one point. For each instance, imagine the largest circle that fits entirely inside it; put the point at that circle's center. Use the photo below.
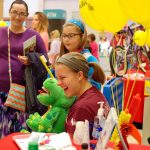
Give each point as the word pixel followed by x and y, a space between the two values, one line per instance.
pixel 54 45
pixel 93 45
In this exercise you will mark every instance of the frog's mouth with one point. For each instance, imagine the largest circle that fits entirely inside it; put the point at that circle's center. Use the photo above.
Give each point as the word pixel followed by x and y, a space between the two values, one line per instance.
pixel 43 91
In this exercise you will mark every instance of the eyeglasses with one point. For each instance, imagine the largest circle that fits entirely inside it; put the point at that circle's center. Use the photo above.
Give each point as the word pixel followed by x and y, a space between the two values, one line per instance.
pixel 70 36
pixel 15 13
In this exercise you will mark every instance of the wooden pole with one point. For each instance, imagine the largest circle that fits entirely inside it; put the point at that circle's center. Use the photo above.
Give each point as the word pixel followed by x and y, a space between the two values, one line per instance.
pixel 1 9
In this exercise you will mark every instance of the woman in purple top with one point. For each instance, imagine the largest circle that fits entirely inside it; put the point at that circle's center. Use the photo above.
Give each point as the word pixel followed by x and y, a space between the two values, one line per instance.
pixel 12 120
pixel 72 71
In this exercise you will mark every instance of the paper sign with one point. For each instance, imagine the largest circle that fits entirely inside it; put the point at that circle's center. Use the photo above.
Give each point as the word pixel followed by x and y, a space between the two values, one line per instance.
pixel 110 123
pixel 29 45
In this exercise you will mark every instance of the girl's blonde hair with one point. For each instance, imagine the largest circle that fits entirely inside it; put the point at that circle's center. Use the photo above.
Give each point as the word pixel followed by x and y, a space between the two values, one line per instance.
pixel 80 28
pixel 43 22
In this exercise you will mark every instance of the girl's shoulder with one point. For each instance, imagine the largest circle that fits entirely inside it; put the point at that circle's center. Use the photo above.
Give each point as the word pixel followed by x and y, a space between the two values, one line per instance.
pixel 89 57
pixel 86 53
pixel 31 31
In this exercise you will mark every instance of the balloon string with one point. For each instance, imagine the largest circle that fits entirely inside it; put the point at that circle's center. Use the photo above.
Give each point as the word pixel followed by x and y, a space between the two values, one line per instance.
pixel 132 87
pixel 113 98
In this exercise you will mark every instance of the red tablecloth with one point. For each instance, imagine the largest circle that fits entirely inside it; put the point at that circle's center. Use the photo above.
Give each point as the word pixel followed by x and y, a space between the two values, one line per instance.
pixel 7 143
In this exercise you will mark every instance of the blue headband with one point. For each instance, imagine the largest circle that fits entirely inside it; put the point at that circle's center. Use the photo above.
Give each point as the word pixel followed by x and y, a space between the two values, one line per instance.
pixel 77 23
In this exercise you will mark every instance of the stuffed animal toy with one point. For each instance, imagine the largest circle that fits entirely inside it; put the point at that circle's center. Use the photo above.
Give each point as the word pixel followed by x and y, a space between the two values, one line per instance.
pixel 53 120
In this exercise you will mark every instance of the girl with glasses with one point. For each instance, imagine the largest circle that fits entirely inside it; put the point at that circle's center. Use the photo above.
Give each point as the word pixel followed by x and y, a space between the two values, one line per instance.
pixel 74 39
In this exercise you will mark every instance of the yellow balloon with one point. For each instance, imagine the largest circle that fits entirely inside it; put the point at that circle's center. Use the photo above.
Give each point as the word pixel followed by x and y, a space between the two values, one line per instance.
pixel 140 37
pixel 87 17
pixel 108 14
pixel 3 23
pixel 146 24
pixel 137 11
pixel 148 37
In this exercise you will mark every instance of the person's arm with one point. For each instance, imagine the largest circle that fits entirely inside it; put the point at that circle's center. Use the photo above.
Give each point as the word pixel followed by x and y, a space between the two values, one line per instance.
pixel 53 47
pixel 40 48
pixel 45 38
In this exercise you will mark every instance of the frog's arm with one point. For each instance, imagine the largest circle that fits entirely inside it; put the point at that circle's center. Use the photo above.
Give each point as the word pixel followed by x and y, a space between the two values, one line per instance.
pixel 48 120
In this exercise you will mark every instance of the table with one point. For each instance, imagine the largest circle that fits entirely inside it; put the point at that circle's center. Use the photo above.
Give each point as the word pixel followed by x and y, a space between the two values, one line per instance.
pixel 7 143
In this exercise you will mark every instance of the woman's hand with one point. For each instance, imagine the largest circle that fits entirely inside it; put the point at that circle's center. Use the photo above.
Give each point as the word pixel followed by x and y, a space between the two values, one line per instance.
pixel 24 59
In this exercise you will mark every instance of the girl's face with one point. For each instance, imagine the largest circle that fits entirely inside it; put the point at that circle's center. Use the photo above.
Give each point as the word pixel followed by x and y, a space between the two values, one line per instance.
pixel 71 38
pixel 18 15
pixel 68 80
pixel 35 22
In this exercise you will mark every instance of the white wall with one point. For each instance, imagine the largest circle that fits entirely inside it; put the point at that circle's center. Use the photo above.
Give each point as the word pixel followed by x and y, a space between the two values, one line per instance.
pixel 68 5
pixel 38 5
pixel 72 9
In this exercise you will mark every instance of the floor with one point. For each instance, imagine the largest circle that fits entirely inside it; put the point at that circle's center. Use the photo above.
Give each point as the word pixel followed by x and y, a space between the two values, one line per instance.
pixel 104 63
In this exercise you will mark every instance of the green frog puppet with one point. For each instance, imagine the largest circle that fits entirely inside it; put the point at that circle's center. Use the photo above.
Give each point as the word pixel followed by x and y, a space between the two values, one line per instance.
pixel 53 121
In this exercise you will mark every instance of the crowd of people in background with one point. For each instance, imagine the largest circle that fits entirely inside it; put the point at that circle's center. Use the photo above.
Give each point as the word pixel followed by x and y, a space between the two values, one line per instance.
pixel 54 48
pixel 104 46
pixel 93 45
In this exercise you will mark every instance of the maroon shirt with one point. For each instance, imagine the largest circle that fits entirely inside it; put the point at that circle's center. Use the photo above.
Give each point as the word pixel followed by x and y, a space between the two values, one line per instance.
pixel 85 107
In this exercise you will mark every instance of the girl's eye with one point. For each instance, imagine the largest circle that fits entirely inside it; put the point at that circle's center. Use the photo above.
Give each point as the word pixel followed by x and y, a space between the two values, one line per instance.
pixel 61 78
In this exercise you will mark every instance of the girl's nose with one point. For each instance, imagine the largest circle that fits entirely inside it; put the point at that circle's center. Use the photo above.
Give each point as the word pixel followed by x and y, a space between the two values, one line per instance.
pixel 59 82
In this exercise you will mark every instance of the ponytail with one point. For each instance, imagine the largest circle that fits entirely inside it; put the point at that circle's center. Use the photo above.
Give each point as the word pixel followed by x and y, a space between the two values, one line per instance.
pixel 98 74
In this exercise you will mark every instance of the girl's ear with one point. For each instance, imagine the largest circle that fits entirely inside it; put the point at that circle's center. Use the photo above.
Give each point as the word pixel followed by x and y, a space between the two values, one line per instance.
pixel 80 75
